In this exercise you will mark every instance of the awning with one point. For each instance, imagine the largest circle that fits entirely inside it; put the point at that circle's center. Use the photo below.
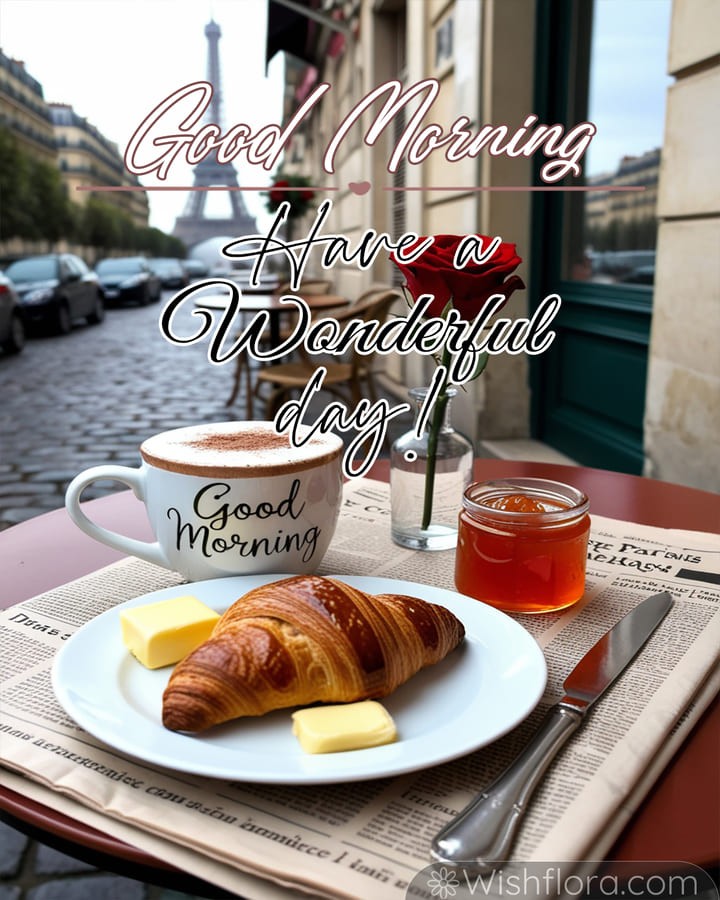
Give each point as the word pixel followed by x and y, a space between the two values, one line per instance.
pixel 297 28
pixel 290 31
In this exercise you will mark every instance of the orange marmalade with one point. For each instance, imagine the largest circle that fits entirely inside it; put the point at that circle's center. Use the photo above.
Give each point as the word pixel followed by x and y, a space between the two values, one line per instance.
pixel 522 544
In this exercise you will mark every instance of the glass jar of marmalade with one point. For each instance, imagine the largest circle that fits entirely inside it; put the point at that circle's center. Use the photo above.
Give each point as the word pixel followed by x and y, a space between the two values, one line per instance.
pixel 522 544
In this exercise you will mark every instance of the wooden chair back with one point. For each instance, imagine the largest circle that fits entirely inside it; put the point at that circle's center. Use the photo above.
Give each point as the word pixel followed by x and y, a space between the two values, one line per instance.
pixel 374 305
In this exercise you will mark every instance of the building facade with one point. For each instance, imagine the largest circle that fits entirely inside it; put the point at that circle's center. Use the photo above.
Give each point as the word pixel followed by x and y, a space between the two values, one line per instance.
pixel 24 112
pixel 628 220
pixel 86 157
pixel 57 135
pixel 630 371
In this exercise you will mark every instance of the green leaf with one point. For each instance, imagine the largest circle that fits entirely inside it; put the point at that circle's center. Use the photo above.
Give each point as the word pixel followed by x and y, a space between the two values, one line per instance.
pixel 480 367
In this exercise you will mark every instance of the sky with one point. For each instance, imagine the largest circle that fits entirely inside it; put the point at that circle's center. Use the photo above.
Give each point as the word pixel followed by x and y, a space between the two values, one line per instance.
pixel 115 60
pixel 628 84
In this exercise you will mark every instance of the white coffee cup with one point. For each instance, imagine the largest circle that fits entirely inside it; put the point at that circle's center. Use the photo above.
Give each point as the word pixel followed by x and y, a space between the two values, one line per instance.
pixel 231 498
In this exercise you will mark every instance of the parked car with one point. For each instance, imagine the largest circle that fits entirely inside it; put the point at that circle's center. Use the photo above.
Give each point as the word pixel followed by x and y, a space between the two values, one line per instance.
pixel 641 275
pixel 124 278
pixel 195 268
pixel 12 326
pixel 56 289
pixel 169 271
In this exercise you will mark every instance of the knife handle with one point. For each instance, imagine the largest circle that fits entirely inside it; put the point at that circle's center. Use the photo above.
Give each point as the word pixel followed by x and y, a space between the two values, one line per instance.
pixel 482 835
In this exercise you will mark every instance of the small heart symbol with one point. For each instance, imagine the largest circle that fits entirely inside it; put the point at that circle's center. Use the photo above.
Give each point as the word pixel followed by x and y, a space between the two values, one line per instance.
pixel 359 187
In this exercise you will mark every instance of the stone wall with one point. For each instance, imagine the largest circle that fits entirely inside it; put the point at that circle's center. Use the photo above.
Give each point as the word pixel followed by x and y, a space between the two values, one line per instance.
pixel 682 416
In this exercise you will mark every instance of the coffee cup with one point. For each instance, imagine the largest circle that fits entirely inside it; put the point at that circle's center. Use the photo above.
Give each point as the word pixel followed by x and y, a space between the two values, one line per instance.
pixel 231 498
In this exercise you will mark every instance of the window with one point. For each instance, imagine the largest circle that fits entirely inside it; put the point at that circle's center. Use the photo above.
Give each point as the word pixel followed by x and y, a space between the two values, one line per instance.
pixel 444 42
pixel 610 235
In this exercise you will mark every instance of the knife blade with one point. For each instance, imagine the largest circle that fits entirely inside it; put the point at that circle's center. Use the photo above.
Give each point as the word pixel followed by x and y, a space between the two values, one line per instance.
pixel 481 836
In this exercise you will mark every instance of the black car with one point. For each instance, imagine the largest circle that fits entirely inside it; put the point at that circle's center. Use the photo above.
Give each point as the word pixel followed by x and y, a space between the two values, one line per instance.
pixel 12 327
pixel 170 272
pixel 56 289
pixel 641 275
pixel 128 278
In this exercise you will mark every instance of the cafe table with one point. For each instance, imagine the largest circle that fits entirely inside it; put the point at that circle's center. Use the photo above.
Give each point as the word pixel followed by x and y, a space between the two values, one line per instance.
pixel 678 819
pixel 263 286
pixel 270 303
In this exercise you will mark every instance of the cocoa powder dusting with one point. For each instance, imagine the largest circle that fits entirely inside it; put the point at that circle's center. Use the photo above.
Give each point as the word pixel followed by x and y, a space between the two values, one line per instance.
pixel 235 452
pixel 252 441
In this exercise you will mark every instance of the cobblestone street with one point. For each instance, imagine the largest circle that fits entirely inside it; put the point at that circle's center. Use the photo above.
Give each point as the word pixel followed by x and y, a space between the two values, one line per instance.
pixel 92 397
pixel 67 403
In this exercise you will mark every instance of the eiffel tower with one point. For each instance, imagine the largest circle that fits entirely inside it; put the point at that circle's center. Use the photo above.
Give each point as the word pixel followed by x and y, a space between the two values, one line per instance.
pixel 193 226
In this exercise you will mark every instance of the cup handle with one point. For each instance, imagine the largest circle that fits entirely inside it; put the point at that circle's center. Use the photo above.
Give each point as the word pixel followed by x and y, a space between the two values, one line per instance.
pixel 133 478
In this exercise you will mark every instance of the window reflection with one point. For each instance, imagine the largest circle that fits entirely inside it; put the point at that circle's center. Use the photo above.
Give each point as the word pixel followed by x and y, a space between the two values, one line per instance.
pixel 620 86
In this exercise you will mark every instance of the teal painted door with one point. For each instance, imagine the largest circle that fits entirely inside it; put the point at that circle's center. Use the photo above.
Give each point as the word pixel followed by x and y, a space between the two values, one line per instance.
pixel 596 248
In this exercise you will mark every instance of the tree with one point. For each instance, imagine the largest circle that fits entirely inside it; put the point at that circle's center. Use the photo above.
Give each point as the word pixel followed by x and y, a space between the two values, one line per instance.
pixel 36 206
pixel 15 190
pixel 98 225
pixel 52 210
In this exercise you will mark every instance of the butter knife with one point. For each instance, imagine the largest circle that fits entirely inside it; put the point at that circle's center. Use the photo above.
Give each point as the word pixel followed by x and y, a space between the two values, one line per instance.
pixel 481 836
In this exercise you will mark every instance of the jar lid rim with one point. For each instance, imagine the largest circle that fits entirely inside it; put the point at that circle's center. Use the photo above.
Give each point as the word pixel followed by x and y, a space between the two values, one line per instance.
pixel 525 484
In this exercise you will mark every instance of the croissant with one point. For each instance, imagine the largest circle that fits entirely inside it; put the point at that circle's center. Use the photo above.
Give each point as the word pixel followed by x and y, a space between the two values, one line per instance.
pixel 303 640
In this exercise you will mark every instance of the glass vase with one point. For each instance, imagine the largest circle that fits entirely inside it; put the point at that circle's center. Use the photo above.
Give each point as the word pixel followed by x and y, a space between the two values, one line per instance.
pixel 408 480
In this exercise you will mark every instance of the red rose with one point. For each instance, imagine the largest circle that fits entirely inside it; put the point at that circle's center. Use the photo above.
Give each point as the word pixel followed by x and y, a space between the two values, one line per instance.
pixel 470 287
pixel 277 191
pixel 307 194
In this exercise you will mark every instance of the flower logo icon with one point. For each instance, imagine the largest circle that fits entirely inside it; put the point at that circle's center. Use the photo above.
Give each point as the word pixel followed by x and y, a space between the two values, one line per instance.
pixel 442 883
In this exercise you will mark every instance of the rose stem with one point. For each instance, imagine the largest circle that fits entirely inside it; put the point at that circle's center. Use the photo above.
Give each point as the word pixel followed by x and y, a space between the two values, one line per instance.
pixel 438 418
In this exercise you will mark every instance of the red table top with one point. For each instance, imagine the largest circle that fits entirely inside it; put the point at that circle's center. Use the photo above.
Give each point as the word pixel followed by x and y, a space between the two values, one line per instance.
pixel 679 818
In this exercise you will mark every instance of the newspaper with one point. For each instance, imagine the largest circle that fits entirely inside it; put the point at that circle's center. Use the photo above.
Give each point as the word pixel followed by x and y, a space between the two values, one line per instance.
pixel 372 838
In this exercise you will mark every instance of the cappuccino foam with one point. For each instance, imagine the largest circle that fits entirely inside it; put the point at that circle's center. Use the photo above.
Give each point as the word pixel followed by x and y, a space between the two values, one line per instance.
pixel 236 450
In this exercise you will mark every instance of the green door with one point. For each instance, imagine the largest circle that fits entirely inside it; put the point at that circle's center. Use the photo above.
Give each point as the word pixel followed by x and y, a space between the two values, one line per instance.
pixel 596 248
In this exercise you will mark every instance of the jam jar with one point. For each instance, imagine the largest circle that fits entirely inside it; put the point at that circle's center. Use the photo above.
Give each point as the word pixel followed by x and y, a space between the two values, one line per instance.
pixel 522 544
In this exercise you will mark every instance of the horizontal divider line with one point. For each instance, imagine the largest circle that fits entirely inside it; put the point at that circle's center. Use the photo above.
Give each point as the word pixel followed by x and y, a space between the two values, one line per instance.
pixel 185 187
pixel 464 189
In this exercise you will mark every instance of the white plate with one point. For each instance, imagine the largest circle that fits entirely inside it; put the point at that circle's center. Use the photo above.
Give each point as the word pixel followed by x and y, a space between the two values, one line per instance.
pixel 475 695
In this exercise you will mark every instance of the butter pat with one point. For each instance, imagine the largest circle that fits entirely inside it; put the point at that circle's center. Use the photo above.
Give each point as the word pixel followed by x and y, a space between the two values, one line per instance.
pixel 162 633
pixel 347 726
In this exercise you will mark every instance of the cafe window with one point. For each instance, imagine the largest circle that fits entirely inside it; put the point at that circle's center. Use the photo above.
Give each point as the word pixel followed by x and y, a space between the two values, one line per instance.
pixel 602 61
pixel 609 235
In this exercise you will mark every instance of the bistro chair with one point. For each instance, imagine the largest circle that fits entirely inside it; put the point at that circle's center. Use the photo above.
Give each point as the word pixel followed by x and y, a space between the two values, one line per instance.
pixel 345 379
pixel 243 372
